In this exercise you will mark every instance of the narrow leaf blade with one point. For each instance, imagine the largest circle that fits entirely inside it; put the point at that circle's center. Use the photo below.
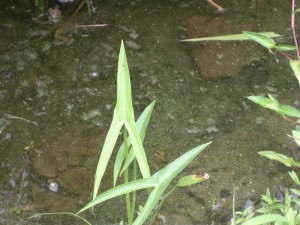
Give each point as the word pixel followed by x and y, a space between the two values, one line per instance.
pixel 231 37
pixel 261 39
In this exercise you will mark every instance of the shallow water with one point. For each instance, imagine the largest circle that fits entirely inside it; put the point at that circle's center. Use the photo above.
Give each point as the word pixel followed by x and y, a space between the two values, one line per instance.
pixel 58 100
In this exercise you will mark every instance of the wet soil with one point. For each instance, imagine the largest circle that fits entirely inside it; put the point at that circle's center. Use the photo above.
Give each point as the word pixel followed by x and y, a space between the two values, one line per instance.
pixel 58 100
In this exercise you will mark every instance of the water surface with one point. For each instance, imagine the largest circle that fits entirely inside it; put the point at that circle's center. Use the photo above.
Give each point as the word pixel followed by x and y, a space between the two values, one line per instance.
pixel 58 100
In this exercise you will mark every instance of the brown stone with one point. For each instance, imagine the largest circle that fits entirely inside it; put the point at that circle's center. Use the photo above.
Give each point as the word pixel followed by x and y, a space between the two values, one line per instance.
pixel 220 58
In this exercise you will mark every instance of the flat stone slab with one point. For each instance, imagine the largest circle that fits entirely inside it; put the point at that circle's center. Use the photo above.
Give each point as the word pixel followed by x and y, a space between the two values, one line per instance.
pixel 220 58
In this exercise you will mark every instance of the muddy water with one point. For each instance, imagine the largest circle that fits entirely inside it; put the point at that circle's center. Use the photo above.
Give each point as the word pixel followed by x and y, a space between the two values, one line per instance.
pixel 58 100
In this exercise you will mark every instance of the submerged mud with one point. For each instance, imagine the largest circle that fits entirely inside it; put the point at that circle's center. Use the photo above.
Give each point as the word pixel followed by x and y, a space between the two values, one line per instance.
pixel 58 101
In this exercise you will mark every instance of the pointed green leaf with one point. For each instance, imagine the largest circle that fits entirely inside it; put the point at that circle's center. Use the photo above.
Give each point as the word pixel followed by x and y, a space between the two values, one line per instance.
pixel 108 146
pixel 163 179
pixel 231 37
pixel 123 114
pixel 266 218
pixel 125 109
pixel 295 65
pixel 137 147
pixel 264 102
pixel 142 124
pixel 295 191
pixel 288 110
pixel 159 180
pixel 297 10
pixel 142 127
pixel 295 178
pixel 119 161
pixel 288 161
pixel 282 47
pixel 261 39
pixel 120 190
pixel 296 136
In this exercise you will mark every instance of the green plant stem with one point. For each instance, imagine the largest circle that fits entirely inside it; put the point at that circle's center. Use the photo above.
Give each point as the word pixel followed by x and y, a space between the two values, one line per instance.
pixel 293 28
pixel 233 207
pixel 126 180
pixel 134 193
pixel 291 121
pixel 161 203
pixel 61 213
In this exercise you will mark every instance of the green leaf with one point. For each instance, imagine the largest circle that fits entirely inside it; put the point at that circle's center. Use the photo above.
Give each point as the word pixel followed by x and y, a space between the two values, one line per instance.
pixel 264 102
pixel 142 124
pixel 295 65
pixel 231 37
pixel 145 117
pixel 108 146
pixel 163 179
pixel 123 115
pixel 159 181
pixel 266 218
pixel 261 39
pixel 288 161
pixel 297 10
pixel 120 190
pixel 295 191
pixel 296 136
pixel 273 104
pixel 290 215
pixel 125 111
pixel 191 179
pixel 282 47
pixel 288 110
pixel 294 177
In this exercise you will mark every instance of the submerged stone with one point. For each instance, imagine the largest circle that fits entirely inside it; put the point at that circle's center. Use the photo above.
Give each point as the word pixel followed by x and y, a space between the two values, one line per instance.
pixel 220 58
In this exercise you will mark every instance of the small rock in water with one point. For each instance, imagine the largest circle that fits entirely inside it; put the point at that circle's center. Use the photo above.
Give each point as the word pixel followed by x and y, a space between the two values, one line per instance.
pixel 259 120
pixel 212 129
pixel 53 186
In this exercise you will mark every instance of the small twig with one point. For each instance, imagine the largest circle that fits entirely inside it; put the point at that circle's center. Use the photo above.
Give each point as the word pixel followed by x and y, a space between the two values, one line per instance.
pixel 92 25
pixel 8 116
pixel 220 8
pixel 285 55
pixel 78 8
pixel 291 121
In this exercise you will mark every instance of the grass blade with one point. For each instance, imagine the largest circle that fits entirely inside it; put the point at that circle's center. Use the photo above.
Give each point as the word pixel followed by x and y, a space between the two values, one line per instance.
pixel 231 37
pixel 142 124
pixel 108 146
pixel 266 218
pixel 120 190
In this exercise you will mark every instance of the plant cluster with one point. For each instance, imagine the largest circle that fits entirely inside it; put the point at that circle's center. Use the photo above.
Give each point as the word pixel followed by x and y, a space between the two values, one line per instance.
pixel 273 210
pixel 131 159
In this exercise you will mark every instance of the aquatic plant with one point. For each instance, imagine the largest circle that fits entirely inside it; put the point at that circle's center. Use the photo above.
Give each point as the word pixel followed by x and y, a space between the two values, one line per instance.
pixel 131 159
pixel 273 211
pixel 132 153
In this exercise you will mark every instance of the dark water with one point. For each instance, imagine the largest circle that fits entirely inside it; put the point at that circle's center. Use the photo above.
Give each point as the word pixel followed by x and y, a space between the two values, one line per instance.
pixel 58 100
